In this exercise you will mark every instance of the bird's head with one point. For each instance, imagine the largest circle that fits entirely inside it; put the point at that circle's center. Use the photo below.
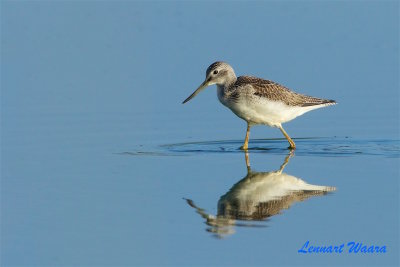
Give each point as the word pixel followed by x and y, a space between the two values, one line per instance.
pixel 219 73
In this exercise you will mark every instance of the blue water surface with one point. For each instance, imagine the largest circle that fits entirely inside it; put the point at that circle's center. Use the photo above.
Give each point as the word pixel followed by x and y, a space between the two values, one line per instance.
pixel 101 164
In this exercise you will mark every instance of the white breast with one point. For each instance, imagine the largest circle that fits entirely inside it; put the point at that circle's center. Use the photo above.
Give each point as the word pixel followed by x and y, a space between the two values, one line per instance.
pixel 260 110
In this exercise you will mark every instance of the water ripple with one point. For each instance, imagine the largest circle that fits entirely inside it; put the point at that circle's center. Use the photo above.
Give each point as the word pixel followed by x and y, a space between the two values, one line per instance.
pixel 313 146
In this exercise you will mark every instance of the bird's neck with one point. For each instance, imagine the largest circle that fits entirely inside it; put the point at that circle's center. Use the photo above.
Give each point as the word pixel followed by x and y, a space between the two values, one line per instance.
pixel 223 89
pixel 229 81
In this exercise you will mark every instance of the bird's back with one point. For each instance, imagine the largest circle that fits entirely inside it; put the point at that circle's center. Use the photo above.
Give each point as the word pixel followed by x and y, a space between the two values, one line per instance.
pixel 275 92
pixel 260 101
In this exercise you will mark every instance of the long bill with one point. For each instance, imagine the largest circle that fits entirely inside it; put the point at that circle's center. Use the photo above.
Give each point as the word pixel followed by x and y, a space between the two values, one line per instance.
pixel 198 90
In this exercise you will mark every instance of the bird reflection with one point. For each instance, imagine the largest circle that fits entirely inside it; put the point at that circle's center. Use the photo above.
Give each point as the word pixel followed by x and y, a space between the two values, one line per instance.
pixel 255 198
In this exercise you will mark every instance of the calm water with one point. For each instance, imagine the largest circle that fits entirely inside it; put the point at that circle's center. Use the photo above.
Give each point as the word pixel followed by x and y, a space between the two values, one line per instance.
pixel 102 165
pixel 90 198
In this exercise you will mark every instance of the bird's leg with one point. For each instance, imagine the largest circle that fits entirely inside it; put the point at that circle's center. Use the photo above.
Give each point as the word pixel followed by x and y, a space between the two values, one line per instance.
pixel 291 153
pixel 246 140
pixel 292 144
pixel 246 156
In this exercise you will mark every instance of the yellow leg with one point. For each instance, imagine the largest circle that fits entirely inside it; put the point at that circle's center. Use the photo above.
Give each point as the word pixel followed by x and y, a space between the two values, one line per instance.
pixel 292 144
pixel 246 140
pixel 291 153
pixel 246 156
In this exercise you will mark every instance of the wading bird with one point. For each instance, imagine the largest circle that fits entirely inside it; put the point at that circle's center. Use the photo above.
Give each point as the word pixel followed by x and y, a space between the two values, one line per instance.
pixel 258 101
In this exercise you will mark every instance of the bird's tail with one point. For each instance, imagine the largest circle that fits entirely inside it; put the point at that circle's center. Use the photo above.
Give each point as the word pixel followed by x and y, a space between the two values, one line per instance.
pixel 319 102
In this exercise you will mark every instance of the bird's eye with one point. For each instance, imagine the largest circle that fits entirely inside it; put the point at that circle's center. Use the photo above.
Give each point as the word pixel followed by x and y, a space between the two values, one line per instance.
pixel 215 72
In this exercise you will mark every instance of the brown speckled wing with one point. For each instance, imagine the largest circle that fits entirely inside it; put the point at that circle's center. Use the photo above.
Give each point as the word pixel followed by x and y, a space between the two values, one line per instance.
pixel 276 92
pixel 262 210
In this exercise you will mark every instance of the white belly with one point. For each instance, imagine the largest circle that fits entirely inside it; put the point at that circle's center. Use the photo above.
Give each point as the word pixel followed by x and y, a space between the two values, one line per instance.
pixel 263 111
